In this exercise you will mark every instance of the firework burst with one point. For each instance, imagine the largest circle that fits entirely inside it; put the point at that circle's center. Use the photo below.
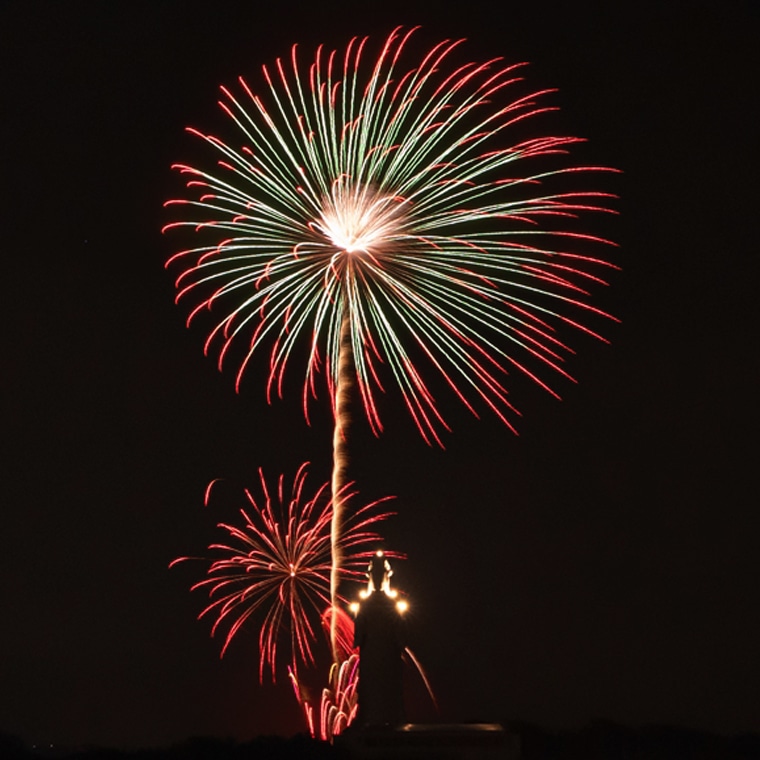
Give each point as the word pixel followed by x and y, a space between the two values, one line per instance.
pixel 379 204
pixel 277 564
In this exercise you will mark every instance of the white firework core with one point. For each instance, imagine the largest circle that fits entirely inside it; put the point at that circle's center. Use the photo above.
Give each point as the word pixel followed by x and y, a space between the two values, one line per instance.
pixel 358 219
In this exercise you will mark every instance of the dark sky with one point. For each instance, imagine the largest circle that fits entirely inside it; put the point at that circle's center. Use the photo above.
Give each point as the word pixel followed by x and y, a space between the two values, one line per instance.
pixel 602 564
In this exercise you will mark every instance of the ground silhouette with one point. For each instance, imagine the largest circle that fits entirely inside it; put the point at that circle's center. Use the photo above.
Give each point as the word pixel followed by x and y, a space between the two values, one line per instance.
pixel 599 740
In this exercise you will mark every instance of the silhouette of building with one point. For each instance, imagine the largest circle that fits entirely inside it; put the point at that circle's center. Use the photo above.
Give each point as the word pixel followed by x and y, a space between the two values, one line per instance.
pixel 380 731
pixel 380 634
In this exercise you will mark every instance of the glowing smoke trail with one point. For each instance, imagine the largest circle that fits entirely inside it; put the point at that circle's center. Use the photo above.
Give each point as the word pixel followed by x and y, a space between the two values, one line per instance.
pixel 340 461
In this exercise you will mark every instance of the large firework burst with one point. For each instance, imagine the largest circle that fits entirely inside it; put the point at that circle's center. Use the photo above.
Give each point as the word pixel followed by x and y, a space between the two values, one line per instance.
pixel 277 564
pixel 382 203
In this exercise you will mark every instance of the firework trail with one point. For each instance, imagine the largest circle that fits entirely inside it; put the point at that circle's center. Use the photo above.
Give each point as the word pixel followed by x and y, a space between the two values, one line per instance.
pixel 375 212
pixel 279 560
pixel 342 414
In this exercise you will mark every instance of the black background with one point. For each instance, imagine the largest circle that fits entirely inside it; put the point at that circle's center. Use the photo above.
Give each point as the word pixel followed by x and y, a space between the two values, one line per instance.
pixel 603 563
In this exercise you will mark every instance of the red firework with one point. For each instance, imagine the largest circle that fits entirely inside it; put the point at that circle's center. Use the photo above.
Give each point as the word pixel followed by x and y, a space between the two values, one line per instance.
pixel 338 703
pixel 278 563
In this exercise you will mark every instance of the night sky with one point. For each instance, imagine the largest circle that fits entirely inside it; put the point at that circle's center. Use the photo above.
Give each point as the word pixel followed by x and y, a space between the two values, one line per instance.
pixel 602 564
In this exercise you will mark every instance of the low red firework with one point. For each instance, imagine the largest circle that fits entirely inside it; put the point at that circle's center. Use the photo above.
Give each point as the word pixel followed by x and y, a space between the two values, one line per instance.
pixel 339 700
pixel 338 704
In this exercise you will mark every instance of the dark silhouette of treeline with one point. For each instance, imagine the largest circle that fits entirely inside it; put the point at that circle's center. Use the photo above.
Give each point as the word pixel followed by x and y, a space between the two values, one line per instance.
pixel 600 740
pixel 197 748
pixel 604 740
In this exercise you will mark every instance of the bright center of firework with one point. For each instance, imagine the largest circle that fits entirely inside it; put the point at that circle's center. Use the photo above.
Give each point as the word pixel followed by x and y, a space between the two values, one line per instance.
pixel 360 220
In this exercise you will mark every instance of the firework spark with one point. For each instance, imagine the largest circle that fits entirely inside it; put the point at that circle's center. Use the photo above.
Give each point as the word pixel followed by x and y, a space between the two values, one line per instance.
pixel 279 563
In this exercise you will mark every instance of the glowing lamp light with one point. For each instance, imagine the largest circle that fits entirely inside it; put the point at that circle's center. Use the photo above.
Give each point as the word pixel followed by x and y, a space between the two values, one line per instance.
pixel 354 607
pixel 401 606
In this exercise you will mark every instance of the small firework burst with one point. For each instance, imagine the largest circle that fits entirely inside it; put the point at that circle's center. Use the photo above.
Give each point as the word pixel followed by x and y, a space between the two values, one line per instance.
pixel 275 569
